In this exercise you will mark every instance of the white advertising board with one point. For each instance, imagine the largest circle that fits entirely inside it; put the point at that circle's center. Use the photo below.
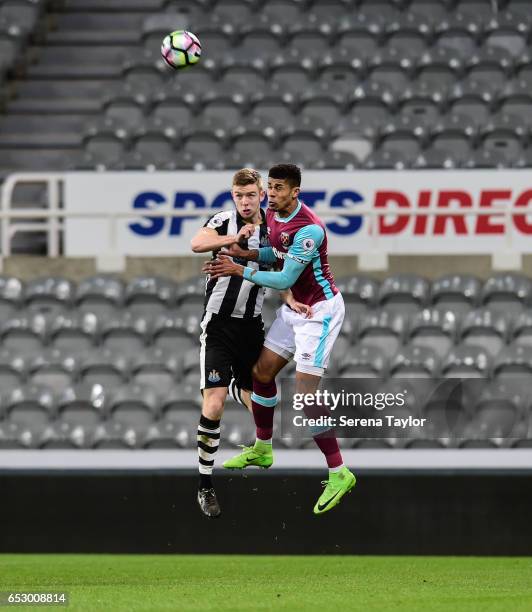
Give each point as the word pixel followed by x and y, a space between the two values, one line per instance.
pixel 347 201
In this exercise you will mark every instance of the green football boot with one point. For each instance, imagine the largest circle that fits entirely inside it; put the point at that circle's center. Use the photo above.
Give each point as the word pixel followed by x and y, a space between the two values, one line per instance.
pixel 260 455
pixel 336 487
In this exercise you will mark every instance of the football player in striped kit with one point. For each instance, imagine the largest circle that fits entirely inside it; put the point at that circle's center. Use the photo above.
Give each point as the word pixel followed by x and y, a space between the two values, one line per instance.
pixel 232 330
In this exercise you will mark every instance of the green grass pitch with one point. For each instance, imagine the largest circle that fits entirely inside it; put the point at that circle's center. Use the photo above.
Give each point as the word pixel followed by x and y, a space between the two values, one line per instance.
pixel 247 583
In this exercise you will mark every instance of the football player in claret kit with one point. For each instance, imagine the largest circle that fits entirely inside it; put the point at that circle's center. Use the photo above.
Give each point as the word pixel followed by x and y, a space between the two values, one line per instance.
pixel 298 240
pixel 232 328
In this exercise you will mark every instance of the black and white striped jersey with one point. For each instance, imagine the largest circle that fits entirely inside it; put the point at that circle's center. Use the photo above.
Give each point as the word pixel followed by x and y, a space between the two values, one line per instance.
pixel 233 296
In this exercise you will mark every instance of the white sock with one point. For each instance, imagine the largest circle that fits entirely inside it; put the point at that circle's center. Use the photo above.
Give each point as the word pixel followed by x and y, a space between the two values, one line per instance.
pixel 336 469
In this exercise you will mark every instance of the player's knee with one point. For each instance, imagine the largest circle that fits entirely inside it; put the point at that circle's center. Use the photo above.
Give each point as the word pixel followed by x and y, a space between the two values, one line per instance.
pixel 213 407
pixel 261 374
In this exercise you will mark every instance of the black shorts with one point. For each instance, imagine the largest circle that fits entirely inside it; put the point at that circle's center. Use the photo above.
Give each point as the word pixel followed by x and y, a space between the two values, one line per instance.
pixel 228 349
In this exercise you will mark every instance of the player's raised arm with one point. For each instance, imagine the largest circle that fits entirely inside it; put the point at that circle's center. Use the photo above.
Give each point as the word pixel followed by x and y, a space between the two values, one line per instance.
pixel 211 237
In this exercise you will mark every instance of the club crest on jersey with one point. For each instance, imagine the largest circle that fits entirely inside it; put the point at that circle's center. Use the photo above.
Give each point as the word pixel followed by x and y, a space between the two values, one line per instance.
pixel 215 222
pixel 214 377
pixel 285 238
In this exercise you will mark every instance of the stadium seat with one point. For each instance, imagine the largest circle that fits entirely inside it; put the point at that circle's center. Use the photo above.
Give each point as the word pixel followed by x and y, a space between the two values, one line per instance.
pixel 172 332
pixel 13 370
pixel 433 328
pixel 156 368
pixel 382 329
pixel 486 328
pixel 414 362
pixel 26 333
pixel 126 333
pixel 11 292
pixel 363 362
pixel 76 332
pixel 49 293
pixel 54 369
pixel 521 329
pixel 82 405
pixel 466 362
pixel 149 295
pixel 404 293
pixel 104 367
pixel 101 294
pixel 133 406
pixel 359 292
pixel 30 407
pixel 507 292
pixel 457 293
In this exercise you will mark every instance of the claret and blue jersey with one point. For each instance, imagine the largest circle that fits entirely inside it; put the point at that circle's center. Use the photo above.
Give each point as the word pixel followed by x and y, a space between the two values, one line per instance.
pixel 300 242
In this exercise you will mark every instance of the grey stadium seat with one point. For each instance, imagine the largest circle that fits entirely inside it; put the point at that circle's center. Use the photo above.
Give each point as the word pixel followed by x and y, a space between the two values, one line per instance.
pixel 405 293
pixel 457 293
pixel 54 369
pixel 508 292
pixel 47 293
pixel 498 413
pixel 167 435
pixel 171 332
pixel 414 362
pixel 82 404
pixel 150 295
pixel 101 294
pixel 156 368
pixel 486 328
pixel 25 333
pixel 133 405
pixel 126 333
pixel 359 291
pixel 13 370
pixel 363 362
pixel 434 329
pixel 31 407
pixel 11 292
pixel 514 362
pixel 104 367
pixel 75 331
pixel 382 329
pixel 466 362
pixel 521 329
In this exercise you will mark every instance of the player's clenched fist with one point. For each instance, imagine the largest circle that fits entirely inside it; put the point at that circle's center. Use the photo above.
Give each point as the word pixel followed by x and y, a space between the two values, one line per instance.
pixel 245 233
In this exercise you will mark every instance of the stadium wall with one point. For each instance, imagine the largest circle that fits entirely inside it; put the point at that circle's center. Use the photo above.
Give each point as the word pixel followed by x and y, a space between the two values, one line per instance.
pixel 433 513
pixel 179 268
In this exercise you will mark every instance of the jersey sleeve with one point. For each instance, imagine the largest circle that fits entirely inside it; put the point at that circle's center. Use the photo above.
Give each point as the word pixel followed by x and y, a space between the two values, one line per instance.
pixel 306 243
pixel 217 223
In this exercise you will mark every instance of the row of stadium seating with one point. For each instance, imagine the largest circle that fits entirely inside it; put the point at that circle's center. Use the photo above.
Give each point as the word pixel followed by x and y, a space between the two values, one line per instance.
pixel 128 376
pixel 378 353
pixel 135 416
pixel 103 293
pixel 326 84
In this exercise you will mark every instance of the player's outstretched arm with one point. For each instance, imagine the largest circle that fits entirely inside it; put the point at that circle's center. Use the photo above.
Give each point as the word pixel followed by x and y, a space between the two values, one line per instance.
pixel 225 266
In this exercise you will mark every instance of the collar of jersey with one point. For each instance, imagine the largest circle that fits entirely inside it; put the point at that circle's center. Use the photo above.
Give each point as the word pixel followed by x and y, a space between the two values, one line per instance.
pixel 286 219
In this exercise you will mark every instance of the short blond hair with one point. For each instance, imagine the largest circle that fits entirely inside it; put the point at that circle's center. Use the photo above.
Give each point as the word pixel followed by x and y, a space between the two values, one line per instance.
pixel 247 176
